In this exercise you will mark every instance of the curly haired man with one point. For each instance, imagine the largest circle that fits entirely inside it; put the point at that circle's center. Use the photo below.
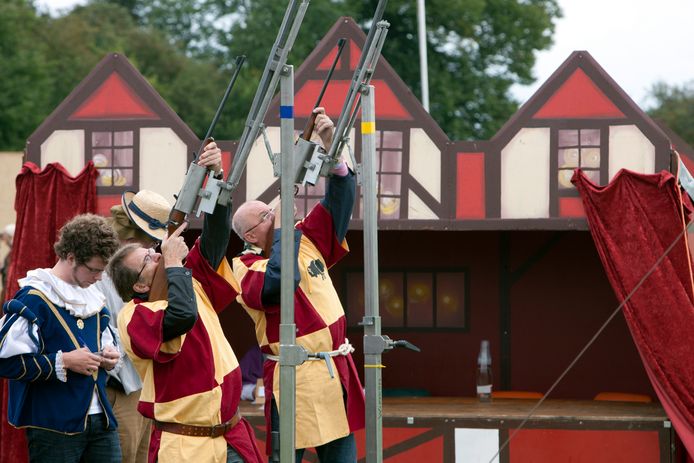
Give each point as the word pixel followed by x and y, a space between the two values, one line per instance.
pixel 55 347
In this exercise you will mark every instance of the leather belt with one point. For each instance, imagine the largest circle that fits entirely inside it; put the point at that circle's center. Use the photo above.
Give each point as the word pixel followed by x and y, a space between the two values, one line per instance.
pixel 199 431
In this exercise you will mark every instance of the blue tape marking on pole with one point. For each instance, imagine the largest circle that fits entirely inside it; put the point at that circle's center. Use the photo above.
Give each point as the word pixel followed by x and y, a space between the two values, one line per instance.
pixel 286 112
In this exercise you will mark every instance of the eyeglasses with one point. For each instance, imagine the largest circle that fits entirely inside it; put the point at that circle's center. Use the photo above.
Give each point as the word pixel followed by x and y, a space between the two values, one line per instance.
pixel 263 217
pixel 93 271
pixel 145 259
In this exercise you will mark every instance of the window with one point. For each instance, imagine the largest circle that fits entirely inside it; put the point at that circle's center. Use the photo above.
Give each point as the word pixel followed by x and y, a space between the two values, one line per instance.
pixel 389 173
pixel 412 299
pixel 578 148
pixel 113 155
pixel 389 162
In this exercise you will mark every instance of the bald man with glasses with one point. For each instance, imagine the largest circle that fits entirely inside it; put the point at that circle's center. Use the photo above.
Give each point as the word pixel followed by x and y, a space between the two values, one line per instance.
pixel 329 396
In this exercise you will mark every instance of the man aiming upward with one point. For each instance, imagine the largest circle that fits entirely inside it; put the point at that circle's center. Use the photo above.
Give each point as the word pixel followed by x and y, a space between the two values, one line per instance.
pixel 329 396
pixel 191 378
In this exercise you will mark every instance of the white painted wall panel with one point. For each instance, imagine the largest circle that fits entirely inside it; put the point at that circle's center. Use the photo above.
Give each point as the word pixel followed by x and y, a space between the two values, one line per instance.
pixel 476 445
pixel 417 210
pixel 630 149
pixel 163 161
pixel 65 147
pixel 525 175
pixel 425 162
pixel 259 168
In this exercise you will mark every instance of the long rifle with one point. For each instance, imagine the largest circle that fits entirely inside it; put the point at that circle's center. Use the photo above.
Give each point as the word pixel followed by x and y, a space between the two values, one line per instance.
pixel 307 155
pixel 308 129
pixel 192 189
pixel 289 29
pixel 361 78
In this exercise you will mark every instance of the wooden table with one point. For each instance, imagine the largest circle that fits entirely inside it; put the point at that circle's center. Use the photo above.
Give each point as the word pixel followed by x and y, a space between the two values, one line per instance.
pixel 462 430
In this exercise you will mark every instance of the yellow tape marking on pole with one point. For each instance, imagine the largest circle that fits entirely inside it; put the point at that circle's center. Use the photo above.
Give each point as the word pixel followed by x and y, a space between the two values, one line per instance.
pixel 368 128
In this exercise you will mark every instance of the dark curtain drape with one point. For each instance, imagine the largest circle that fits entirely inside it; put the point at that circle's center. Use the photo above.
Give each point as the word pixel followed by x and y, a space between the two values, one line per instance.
pixel 45 200
pixel 633 221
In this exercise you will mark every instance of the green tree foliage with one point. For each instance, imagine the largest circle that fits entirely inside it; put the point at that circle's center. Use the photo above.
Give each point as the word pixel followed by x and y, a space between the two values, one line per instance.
pixel 674 105
pixel 45 58
pixel 477 50
pixel 25 80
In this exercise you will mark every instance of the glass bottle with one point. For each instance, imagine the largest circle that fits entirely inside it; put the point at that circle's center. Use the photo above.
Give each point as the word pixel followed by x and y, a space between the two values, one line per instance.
pixel 484 373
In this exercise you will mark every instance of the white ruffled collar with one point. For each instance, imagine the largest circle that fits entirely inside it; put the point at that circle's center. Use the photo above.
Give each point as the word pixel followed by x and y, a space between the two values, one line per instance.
pixel 80 302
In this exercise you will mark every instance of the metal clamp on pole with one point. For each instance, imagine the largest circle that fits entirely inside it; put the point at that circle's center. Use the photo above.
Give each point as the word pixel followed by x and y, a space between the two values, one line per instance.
pixel 378 344
pixel 192 188
pixel 309 156
pixel 292 355
pixel 291 23
pixel 361 78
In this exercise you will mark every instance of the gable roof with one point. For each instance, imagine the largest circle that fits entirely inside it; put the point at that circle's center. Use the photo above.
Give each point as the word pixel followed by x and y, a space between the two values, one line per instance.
pixel 113 90
pixel 394 99
pixel 580 89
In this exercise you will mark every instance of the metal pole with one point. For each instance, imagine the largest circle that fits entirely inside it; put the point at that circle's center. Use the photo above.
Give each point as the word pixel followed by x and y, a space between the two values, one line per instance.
pixel 287 326
pixel 372 320
pixel 423 65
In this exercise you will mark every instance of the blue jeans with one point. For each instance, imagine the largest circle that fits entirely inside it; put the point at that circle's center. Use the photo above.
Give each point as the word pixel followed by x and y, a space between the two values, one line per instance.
pixel 342 450
pixel 97 444
pixel 232 456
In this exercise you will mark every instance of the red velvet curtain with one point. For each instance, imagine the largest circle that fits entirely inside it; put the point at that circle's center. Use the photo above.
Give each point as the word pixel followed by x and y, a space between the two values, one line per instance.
pixel 633 221
pixel 45 201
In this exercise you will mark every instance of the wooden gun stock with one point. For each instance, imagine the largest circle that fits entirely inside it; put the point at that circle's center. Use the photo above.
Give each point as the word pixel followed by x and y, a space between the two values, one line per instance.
pixel 159 290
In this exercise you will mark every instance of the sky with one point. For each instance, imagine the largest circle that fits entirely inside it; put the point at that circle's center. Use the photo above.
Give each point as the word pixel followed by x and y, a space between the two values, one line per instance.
pixel 638 42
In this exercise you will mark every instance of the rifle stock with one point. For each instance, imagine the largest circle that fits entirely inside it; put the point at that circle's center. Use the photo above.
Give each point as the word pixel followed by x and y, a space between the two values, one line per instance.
pixel 159 289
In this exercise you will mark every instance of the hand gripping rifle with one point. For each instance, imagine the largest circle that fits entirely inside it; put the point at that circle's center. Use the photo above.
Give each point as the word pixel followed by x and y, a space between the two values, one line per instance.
pixel 289 29
pixel 192 189
pixel 309 156
pixel 361 78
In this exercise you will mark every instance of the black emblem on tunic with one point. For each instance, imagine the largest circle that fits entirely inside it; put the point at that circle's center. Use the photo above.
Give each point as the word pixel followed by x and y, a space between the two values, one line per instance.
pixel 316 268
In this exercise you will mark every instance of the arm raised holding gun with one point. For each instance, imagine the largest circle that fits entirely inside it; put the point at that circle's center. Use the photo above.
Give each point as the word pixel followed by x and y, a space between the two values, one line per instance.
pixel 309 156
pixel 205 165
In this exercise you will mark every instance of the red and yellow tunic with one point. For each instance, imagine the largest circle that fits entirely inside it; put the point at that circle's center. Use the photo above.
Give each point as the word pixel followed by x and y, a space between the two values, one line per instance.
pixel 193 379
pixel 321 414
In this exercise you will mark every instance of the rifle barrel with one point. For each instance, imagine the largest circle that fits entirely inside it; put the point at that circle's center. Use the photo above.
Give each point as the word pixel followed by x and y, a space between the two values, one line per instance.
pixel 208 136
pixel 312 118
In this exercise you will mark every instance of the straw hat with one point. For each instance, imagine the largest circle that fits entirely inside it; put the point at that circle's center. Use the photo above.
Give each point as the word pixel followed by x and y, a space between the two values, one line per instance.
pixel 126 230
pixel 148 210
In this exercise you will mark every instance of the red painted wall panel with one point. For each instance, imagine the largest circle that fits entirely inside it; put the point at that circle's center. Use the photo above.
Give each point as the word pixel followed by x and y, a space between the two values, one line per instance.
pixel 470 197
pixel 431 451
pixel 571 207
pixel 577 98
pixel 554 445
pixel 104 203
pixel 114 99
pixel 388 105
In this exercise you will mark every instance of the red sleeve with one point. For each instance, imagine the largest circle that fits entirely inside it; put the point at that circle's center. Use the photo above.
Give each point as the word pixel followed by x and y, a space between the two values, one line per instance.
pixel 250 271
pixel 216 283
pixel 318 227
pixel 145 329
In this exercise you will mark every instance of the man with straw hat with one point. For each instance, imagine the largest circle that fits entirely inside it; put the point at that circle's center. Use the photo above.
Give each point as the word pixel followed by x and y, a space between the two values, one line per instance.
pixel 192 380
pixel 141 219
